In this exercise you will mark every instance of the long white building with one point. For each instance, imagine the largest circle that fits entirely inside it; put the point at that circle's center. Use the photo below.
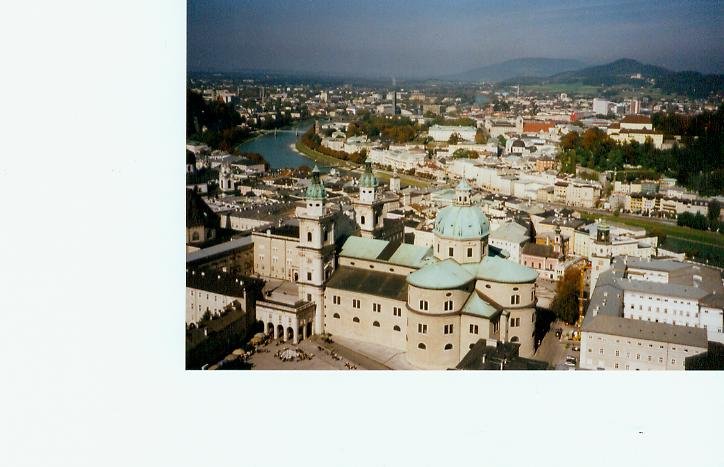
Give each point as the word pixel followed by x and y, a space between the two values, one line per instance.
pixel 443 132
pixel 652 314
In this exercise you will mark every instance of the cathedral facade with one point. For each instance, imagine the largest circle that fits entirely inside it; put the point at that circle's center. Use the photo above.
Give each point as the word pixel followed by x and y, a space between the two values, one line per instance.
pixel 433 303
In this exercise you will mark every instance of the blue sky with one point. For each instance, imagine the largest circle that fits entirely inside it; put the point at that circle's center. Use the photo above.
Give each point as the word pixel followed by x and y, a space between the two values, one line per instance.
pixel 424 38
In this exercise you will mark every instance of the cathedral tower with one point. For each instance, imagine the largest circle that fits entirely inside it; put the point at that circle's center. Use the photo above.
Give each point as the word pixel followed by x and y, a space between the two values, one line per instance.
pixel 316 247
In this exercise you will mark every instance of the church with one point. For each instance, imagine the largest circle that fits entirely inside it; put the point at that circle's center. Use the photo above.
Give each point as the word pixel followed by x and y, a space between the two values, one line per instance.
pixel 432 303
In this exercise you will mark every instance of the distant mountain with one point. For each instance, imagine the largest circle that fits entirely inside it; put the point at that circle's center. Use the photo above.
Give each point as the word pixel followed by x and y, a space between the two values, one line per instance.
pixel 631 72
pixel 533 67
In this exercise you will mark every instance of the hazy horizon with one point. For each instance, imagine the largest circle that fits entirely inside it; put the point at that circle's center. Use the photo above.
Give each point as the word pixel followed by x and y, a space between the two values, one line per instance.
pixel 422 39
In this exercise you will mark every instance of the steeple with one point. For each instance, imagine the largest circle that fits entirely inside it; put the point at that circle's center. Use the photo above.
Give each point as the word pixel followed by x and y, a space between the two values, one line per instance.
pixel 394 181
pixel 367 183
pixel 315 195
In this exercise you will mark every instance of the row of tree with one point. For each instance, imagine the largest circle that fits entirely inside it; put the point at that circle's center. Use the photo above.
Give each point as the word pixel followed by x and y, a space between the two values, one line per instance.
pixel 313 141
pixel 701 222
pixel 390 130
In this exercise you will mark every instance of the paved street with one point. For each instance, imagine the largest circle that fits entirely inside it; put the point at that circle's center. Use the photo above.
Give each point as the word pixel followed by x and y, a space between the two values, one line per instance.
pixel 554 351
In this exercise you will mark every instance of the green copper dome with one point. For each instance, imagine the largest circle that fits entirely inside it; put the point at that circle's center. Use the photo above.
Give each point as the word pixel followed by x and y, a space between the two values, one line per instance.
pixel 368 179
pixel 443 275
pixel 316 190
pixel 462 222
pixel 497 269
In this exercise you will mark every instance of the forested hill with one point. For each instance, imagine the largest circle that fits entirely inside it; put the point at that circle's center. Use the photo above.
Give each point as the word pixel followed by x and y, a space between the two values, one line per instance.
pixel 624 72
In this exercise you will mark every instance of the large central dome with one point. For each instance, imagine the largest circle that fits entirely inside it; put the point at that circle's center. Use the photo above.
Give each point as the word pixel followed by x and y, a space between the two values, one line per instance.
pixel 462 222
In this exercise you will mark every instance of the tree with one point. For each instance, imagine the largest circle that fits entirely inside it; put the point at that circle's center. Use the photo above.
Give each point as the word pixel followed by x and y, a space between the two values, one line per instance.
pixel 501 140
pixel 565 302
pixel 713 211
pixel 481 136
pixel 454 138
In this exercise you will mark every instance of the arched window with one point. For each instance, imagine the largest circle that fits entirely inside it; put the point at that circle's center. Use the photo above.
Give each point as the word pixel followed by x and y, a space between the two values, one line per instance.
pixel 514 339
pixel 355 319
pixel 362 220
pixel 309 236
pixel 336 315
pixel 448 346
pixel 421 346
pixel 194 236
pixel 376 324
pixel 396 328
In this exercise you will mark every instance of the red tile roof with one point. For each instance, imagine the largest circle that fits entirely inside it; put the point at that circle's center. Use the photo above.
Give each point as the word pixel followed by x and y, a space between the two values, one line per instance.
pixel 636 119
pixel 532 126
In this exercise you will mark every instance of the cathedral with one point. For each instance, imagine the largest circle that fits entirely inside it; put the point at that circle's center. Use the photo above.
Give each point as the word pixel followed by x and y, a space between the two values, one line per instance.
pixel 432 303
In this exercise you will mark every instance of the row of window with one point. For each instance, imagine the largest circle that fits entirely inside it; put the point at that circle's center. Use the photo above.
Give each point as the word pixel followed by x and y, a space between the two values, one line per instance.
pixel 666 310
pixel 422 346
pixel 661 360
pixel 451 251
pixel 374 323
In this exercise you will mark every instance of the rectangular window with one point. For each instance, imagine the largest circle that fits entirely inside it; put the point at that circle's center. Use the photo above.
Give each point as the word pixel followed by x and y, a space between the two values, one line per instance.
pixel 309 276
pixel 450 251
pixel 421 328
pixel 376 307
pixel 423 305
pixel 448 329
pixel 473 329
pixel 397 311
pixel 470 252
pixel 355 303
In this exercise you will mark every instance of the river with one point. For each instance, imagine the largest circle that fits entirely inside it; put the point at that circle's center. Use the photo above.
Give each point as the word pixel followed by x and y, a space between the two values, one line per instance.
pixel 278 150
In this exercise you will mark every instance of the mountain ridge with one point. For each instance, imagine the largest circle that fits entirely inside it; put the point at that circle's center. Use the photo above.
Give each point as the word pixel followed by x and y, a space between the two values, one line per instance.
pixel 624 71
pixel 527 66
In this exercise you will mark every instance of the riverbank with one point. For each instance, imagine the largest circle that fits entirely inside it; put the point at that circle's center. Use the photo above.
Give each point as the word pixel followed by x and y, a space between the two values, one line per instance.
pixel 383 175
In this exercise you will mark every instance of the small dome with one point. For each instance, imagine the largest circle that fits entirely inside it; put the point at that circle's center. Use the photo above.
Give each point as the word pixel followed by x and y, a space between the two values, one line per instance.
pixel 463 222
pixel 518 143
pixel 444 275
pixel 463 186
pixel 368 179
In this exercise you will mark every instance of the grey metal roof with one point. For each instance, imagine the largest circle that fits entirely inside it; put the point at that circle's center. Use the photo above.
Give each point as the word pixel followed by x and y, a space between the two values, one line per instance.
pixel 648 330
pixel 511 232
pixel 368 282
pixel 658 288
pixel 666 265
pixel 219 249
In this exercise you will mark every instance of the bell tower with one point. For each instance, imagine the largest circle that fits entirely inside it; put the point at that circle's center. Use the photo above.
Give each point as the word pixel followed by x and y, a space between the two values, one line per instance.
pixel 368 208
pixel 601 252
pixel 316 247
